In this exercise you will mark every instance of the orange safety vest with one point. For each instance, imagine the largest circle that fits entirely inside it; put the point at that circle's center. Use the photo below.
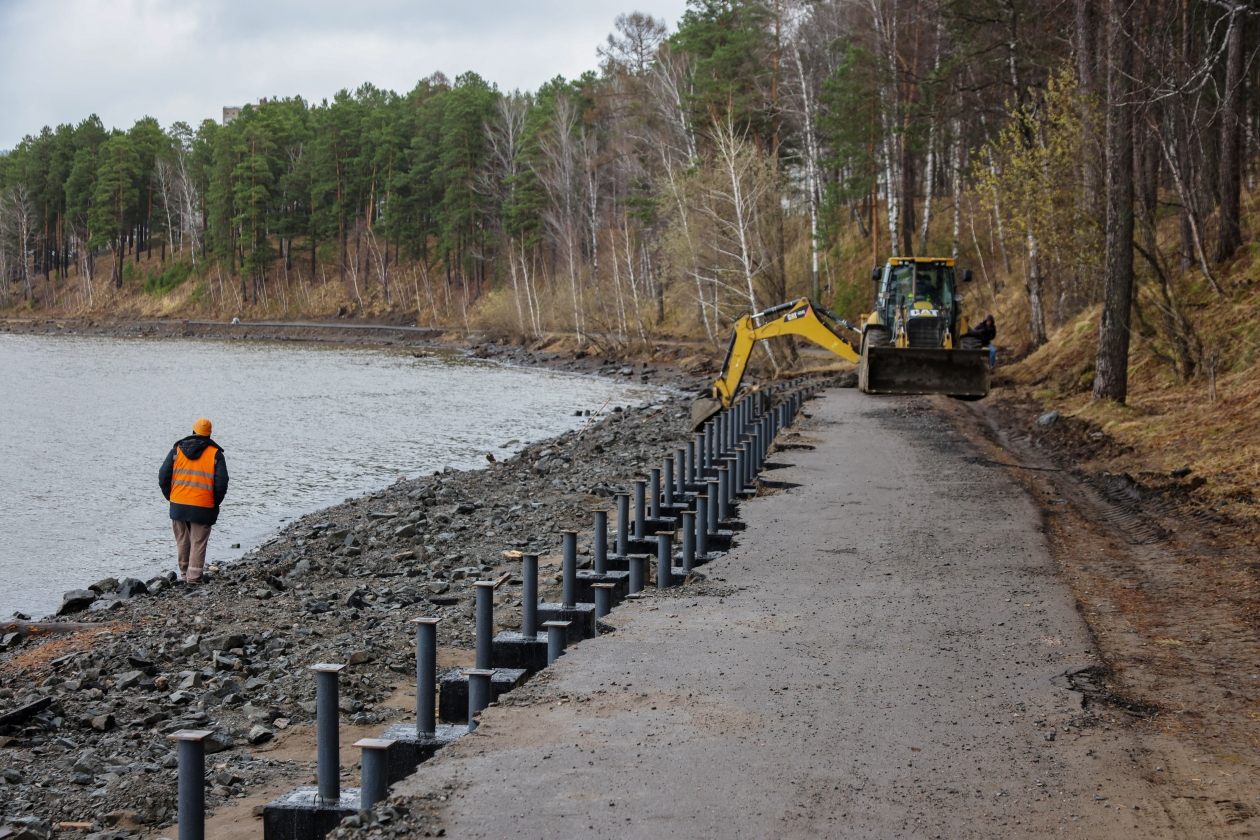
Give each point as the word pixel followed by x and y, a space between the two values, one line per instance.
pixel 192 482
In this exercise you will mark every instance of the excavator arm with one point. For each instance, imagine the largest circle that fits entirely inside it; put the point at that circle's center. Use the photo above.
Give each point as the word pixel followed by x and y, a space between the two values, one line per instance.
pixel 800 317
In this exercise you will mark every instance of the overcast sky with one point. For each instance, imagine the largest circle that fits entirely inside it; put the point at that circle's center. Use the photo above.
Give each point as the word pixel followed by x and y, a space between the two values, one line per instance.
pixel 62 60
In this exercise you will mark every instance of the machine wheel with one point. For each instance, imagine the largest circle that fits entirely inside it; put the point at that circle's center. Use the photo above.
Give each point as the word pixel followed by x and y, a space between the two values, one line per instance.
pixel 970 342
pixel 873 337
pixel 878 337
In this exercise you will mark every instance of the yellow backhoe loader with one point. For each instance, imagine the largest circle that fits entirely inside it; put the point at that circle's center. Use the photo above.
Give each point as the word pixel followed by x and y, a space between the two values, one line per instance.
pixel 914 342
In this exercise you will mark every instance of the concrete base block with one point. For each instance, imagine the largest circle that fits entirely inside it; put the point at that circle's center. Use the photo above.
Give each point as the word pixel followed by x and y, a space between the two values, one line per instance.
pixel 634 546
pixel 453 693
pixel 621 562
pixel 516 650
pixel 732 524
pixel 721 541
pixel 411 750
pixel 664 523
pixel 586 577
pixel 301 815
pixel 582 616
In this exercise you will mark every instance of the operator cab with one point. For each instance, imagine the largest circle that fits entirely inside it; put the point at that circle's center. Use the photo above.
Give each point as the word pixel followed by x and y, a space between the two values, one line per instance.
pixel 919 296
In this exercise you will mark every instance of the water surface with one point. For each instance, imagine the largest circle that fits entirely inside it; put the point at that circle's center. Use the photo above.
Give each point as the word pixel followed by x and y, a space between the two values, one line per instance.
pixel 86 422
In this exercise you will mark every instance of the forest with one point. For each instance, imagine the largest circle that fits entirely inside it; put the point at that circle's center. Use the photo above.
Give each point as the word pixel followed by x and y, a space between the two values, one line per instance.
pixel 1084 156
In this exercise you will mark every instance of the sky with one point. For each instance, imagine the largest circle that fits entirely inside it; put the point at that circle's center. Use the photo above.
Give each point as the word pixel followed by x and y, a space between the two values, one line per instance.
pixel 185 59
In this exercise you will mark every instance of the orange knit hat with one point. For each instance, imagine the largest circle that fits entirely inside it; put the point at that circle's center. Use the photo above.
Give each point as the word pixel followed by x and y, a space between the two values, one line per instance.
pixel 202 427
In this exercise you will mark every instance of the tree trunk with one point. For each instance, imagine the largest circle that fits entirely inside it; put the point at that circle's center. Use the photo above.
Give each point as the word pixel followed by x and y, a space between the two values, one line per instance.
pixel 1230 236
pixel 1112 366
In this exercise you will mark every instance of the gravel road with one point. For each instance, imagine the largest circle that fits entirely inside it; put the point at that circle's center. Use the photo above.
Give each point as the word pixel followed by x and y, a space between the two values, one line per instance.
pixel 885 654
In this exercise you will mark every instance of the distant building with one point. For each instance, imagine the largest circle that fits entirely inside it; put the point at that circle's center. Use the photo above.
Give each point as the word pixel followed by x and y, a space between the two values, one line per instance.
pixel 231 112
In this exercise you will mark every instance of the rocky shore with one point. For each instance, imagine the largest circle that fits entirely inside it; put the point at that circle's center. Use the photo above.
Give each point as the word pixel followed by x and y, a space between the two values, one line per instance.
pixel 87 700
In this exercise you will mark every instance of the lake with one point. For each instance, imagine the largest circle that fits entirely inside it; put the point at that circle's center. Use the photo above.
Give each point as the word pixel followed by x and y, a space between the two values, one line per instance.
pixel 86 422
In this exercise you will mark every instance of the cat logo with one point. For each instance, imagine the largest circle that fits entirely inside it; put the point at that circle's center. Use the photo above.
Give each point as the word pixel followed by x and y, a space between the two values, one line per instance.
pixel 800 313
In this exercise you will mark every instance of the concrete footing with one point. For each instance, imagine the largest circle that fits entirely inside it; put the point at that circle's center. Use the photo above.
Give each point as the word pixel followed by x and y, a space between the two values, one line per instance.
pixel 586 577
pixel 301 814
pixel 582 617
pixel 516 650
pixel 453 691
pixel 410 750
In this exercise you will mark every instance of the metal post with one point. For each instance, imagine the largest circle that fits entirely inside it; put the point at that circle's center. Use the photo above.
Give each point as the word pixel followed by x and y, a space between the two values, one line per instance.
pixel 664 560
pixel 192 782
pixel 667 483
pixel 702 524
pixel 557 633
pixel 640 509
pixel 654 506
pixel 715 504
pixel 426 676
pixel 327 737
pixel 478 693
pixel 568 569
pixel 603 600
pixel 707 454
pixel 724 490
pixel 741 466
pixel 636 573
pixel 689 541
pixel 623 523
pixel 680 463
pixel 485 622
pixel 529 595
pixel 599 545
pixel 374 761
pixel 691 462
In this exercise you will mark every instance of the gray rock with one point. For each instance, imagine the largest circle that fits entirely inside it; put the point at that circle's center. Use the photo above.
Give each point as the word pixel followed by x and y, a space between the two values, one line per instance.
pixel 218 742
pixel 225 642
pixel 437 587
pixel 405 531
pixel 103 723
pixel 130 588
pixel 259 734
pixel 104 586
pixel 1048 419
pixel 128 680
pixel 359 657
pixel 76 600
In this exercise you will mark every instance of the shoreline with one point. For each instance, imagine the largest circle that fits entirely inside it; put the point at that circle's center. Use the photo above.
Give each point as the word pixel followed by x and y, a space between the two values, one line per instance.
pixel 230 656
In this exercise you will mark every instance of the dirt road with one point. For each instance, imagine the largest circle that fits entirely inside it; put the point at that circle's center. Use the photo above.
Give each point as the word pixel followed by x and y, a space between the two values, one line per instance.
pixel 883 655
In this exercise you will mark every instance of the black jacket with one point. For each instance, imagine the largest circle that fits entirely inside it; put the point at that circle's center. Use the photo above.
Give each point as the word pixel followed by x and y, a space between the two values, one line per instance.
pixel 192 447
pixel 984 331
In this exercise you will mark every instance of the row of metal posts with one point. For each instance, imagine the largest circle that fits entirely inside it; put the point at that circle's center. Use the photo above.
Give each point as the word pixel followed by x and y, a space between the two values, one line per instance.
pixel 711 472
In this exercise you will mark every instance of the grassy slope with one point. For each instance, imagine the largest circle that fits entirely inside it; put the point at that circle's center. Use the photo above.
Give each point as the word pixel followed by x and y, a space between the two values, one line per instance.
pixel 1166 424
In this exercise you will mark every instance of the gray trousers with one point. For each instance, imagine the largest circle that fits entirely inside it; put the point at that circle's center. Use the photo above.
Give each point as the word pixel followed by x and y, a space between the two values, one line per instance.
pixel 191 539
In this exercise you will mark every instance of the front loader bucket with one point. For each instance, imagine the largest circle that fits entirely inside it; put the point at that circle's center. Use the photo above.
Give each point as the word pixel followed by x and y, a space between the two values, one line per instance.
pixel 915 370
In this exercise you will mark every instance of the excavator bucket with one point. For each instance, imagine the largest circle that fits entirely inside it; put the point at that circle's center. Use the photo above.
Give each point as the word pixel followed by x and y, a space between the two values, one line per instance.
pixel 914 370
pixel 702 409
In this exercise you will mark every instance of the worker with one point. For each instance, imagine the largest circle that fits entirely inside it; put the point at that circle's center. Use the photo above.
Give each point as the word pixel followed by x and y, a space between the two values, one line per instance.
pixel 986 331
pixel 194 479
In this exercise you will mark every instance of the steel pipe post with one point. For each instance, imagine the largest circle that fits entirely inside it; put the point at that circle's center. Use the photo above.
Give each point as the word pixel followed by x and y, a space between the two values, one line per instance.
pixel 327 732
pixel 636 573
pixel 568 569
pixel 374 762
pixel 557 633
pixel 680 464
pixel 702 524
pixel 691 462
pixel 426 676
pixel 654 505
pixel 724 489
pixel 478 692
pixel 640 509
pixel 623 524
pixel 192 782
pixel 715 504
pixel 603 600
pixel 664 560
pixel 688 541
pixel 599 543
pixel 667 483
pixel 529 595
pixel 741 470
pixel 484 590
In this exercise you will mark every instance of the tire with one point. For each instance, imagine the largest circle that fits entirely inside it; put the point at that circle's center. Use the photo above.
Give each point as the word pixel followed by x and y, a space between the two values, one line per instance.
pixel 970 342
pixel 878 337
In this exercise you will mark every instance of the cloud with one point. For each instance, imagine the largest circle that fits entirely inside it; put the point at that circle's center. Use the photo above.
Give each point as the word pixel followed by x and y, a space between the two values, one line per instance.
pixel 123 59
